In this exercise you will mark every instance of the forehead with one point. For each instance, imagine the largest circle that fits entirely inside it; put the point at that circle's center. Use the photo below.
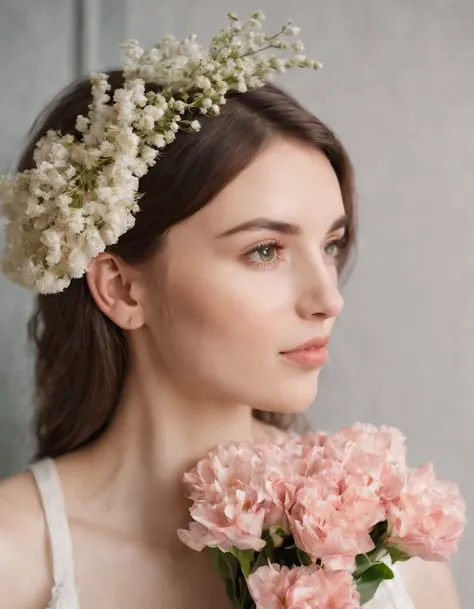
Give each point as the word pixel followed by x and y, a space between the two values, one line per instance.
pixel 288 181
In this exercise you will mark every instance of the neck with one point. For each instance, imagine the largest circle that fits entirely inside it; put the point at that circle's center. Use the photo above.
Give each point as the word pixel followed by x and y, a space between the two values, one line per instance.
pixel 137 466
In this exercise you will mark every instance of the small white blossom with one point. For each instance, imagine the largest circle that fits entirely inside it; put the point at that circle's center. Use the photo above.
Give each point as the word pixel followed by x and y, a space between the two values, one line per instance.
pixel 180 106
pixel 149 155
pixel 77 262
pixel 298 46
pixel 82 194
pixel 203 82
pixel 159 141
pixel 82 123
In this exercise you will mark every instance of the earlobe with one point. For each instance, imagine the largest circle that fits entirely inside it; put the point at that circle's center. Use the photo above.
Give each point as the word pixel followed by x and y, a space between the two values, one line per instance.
pixel 111 284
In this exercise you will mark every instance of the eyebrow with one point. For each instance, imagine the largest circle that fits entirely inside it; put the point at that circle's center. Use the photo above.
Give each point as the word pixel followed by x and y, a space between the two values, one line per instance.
pixel 284 228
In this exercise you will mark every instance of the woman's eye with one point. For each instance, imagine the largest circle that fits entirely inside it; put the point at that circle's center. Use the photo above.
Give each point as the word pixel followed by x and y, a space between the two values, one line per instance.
pixel 265 253
pixel 332 249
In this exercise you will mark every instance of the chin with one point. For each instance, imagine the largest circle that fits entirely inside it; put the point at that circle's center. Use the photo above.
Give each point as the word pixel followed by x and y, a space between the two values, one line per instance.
pixel 288 398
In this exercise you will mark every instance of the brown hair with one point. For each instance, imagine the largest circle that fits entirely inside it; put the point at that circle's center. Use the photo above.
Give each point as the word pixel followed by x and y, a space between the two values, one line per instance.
pixel 81 358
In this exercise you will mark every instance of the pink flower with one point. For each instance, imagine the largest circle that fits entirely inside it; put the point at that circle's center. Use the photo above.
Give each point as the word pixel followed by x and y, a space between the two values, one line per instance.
pixel 279 587
pixel 387 442
pixel 429 518
pixel 331 525
pixel 234 497
pixel 365 469
pixel 372 457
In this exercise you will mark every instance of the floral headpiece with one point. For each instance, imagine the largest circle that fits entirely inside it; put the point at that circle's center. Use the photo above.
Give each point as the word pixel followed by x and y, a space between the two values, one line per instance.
pixel 83 194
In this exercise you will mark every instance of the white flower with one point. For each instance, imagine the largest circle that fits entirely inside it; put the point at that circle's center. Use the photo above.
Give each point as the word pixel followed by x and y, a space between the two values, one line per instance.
pixel 50 283
pixel 92 242
pixel 159 141
pixel 149 155
pixel 34 208
pixel 291 30
pixel 255 23
pixel 203 82
pixel 299 58
pixel 83 192
pixel 180 106
pixel 51 238
pixel 82 123
pixel 132 50
pixel 154 112
pixel 76 221
pixel 77 263
pixel 298 46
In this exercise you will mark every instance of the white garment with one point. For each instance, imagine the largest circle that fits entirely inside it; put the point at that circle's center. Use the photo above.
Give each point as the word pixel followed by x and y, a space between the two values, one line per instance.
pixel 390 595
pixel 64 593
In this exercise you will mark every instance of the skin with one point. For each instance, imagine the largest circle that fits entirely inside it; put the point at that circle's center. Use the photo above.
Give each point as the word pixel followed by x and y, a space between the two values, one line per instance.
pixel 206 322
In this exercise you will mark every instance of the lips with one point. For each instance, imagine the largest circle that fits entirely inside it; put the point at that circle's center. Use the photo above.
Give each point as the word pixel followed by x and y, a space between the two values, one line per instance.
pixel 317 342
pixel 311 354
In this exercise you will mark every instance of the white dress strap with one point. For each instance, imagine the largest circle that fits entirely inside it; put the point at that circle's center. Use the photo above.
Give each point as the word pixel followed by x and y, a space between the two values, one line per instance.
pixel 49 487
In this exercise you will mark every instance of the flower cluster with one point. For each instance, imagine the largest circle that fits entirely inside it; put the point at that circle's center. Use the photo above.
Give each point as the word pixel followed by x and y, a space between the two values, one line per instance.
pixel 83 193
pixel 320 505
pixel 279 586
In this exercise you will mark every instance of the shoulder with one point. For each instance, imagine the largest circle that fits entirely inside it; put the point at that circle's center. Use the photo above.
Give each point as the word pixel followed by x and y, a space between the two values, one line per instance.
pixel 431 585
pixel 24 571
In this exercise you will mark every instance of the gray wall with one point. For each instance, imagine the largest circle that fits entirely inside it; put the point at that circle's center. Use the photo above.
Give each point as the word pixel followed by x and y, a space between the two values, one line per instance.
pixel 398 87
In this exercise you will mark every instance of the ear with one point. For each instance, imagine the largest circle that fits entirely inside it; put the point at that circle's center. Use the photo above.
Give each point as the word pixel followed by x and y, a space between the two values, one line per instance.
pixel 115 288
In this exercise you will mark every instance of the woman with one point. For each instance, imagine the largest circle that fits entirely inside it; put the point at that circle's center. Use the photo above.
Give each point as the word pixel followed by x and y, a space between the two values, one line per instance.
pixel 206 322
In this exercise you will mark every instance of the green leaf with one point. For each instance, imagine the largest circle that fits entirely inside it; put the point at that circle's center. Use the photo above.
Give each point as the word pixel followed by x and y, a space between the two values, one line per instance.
pixel 269 545
pixel 261 561
pixel 379 532
pixel 245 558
pixel 369 576
pixel 226 564
pixel 363 563
pixel 230 588
pixel 398 555
pixel 376 571
pixel 305 559
pixel 229 569
pixel 367 590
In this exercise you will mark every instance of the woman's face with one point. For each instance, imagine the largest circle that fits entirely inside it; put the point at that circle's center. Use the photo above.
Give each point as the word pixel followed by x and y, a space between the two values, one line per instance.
pixel 250 276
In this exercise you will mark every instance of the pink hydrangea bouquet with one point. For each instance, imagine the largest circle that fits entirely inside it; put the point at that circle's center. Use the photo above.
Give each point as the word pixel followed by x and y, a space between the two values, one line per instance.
pixel 318 520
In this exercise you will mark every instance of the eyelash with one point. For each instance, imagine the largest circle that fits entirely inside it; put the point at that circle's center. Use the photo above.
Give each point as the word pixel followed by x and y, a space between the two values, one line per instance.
pixel 340 244
pixel 277 245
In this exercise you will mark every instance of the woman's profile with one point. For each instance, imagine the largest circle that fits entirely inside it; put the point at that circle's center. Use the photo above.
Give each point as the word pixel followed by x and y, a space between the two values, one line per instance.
pixel 206 321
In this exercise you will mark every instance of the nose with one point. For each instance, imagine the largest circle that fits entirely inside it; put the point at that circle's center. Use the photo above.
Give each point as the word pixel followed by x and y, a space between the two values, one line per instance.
pixel 320 294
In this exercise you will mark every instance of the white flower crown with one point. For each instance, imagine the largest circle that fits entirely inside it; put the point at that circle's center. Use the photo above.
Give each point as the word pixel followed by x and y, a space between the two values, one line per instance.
pixel 83 193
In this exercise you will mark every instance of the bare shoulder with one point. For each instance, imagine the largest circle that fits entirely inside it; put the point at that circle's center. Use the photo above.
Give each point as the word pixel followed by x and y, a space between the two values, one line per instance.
pixel 24 570
pixel 431 585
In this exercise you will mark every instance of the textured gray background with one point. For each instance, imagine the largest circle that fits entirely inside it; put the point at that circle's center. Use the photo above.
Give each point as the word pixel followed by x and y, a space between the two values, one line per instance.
pixel 398 87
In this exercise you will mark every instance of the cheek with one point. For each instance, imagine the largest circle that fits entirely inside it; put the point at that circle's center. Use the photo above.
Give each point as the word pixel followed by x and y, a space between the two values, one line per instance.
pixel 213 309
